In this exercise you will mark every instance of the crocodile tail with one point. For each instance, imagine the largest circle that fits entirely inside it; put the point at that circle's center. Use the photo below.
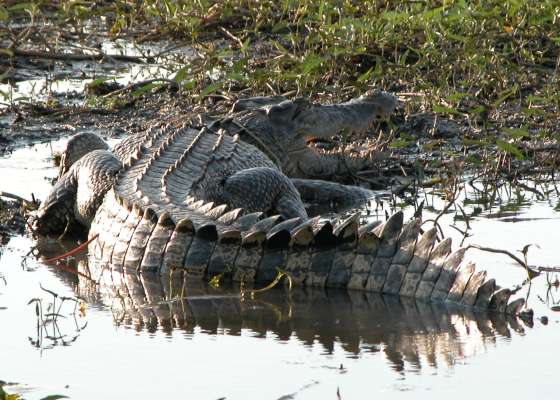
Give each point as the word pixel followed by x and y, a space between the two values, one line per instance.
pixel 392 257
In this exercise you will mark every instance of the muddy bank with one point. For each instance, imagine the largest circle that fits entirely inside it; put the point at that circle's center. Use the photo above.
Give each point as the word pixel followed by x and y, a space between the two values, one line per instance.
pixel 39 122
pixel 12 221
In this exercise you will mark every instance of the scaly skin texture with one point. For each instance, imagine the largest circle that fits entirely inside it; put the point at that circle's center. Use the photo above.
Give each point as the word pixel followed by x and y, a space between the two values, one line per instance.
pixel 280 128
pixel 359 320
pixel 385 258
pixel 174 205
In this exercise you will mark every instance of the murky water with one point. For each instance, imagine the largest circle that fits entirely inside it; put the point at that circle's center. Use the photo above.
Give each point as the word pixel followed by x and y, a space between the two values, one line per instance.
pixel 204 343
pixel 44 79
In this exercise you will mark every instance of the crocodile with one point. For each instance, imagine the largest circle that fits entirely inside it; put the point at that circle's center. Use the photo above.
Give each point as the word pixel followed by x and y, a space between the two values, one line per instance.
pixel 195 200
pixel 282 129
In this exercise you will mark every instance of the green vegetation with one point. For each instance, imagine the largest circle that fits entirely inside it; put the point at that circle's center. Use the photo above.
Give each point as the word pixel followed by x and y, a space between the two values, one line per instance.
pixel 492 66
pixel 14 396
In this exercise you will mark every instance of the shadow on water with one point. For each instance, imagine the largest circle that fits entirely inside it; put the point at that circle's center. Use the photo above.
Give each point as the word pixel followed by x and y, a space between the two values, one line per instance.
pixel 407 332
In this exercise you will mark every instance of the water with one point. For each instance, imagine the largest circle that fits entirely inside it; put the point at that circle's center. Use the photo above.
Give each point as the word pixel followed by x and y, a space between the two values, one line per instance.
pixel 310 344
pixel 62 78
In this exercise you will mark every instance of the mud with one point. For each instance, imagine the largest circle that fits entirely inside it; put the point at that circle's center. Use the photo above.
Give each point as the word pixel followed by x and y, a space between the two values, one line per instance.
pixel 12 221
pixel 39 123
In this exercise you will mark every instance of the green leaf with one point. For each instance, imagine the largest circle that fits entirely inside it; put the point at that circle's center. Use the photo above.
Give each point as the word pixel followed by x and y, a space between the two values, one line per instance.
pixel 190 85
pixel 321 10
pixel 445 110
pixel 533 111
pixel 9 52
pixel 4 15
pixel 378 67
pixel 503 96
pixel 511 149
pixel 181 74
pixel 55 397
pixel 473 142
pixel 399 143
pixel 280 48
pixel 140 91
pixel 236 76
pixel 477 110
pixel 458 38
pixel 311 63
pixel 516 133
pixel 210 89
pixel 456 96
pixel 474 159
pixel 433 14
pixel 536 99
pixel 279 26
pixel 99 81
pixel 20 7
pixel 365 76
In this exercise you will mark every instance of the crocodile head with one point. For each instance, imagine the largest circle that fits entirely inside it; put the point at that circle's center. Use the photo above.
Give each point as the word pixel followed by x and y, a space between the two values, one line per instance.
pixel 282 129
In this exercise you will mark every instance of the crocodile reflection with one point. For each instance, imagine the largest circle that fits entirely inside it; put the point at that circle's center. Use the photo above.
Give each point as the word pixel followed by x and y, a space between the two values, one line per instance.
pixel 407 332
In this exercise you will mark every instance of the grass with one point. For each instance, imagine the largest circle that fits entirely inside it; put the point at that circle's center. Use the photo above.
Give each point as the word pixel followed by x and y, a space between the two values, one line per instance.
pixel 491 65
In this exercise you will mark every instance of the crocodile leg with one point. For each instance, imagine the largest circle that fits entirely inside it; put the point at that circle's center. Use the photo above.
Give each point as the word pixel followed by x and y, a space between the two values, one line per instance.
pixel 331 193
pixel 263 189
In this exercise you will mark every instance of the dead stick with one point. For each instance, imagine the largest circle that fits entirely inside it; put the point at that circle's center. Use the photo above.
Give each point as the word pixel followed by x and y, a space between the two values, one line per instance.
pixel 135 85
pixel 232 36
pixel 14 197
pixel 74 56
pixel 73 252
pixel 500 251
pixel 548 269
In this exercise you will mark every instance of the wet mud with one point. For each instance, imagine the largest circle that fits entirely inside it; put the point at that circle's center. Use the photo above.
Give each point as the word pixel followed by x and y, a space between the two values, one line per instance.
pixel 12 221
